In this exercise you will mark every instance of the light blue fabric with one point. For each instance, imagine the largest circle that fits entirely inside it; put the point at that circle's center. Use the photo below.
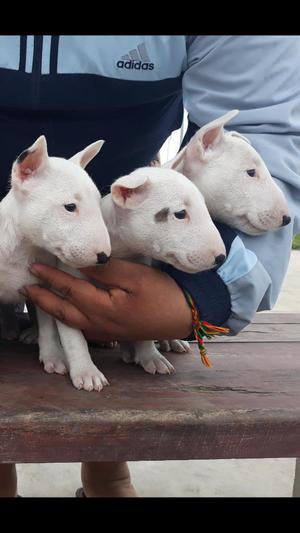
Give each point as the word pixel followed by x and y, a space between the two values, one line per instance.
pixel 46 54
pixel 10 51
pixel 239 262
pixel 29 53
pixel 99 54
pixel 246 294
pixel 260 76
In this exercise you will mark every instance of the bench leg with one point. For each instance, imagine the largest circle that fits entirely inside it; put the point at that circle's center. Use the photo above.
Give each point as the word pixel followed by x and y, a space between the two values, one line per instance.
pixel 296 489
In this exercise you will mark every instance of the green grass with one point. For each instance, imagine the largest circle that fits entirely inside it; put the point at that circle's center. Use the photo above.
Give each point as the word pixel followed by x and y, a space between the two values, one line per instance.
pixel 296 242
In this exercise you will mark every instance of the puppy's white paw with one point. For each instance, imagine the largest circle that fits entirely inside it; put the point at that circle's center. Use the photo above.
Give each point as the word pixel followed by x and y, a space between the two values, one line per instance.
pixel 88 378
pixel 54 365
pixel 179 346
pixel 174 345
pixel 155 364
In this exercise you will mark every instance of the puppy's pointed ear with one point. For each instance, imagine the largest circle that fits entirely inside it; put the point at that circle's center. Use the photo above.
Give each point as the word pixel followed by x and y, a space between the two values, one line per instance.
pixel 129 192
pixel 202 145
pixel 85 156
pixel 209 138
pixel 31 161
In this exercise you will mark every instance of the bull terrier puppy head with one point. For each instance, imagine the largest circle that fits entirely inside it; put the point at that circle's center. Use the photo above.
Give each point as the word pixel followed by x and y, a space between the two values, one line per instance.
pixel 234 180
pixel 59 205
pixel 161 214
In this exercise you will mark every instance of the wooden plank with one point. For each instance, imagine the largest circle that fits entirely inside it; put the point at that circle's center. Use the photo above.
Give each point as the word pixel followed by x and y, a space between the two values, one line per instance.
pixel 260 334
pixel 247 405
pixel 277 331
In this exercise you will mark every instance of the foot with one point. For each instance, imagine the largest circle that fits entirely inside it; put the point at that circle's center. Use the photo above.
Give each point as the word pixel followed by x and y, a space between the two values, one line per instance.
pixel 106 480
pixel 8 481
pixel 88 378
pixel 152 360
pixel 53 364
pixel 174 345
pixel 156 365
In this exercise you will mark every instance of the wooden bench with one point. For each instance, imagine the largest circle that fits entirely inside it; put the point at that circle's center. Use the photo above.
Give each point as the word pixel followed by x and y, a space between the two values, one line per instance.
pixel 246 406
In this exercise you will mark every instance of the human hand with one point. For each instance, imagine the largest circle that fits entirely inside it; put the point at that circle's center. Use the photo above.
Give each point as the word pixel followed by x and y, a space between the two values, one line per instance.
pixel 139 302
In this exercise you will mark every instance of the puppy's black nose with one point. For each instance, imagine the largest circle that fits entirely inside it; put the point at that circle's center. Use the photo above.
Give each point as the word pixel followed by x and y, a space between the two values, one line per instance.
pixel 102 258
pixel 220 259
pixel 285 220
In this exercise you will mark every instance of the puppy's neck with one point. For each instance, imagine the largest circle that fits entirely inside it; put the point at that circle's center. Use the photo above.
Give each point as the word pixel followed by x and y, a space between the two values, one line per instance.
pixel 120 241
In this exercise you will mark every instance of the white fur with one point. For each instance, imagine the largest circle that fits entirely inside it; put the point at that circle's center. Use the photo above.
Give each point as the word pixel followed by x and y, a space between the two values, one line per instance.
pixel 35 226
pixel 217 161
pixel 190 244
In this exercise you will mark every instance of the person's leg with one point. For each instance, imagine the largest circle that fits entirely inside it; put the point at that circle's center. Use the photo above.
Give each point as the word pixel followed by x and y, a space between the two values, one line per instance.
pixel 8 480
pixel 107 479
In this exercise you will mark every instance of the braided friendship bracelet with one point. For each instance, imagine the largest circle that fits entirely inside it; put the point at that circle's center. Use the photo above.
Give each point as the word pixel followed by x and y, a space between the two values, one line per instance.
pixel 203 329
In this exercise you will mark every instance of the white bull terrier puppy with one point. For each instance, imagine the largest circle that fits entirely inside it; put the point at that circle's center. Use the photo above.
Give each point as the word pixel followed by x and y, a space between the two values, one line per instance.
pixel 52 214
pixel 237 187
pixel 234 180
pixel 157 213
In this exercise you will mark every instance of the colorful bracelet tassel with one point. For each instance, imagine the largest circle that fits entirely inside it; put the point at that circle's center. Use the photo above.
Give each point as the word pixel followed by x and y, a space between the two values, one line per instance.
pixel 203 329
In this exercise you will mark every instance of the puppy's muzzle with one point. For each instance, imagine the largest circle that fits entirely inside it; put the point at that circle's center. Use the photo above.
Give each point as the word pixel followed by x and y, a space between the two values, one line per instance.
pixel 219 260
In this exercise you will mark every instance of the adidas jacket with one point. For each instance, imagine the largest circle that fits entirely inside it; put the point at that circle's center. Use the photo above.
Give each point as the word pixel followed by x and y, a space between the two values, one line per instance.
pixel 130 90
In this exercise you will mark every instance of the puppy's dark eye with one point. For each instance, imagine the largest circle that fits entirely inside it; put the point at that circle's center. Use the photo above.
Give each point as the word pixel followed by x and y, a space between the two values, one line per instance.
pixel 180 214
pixel 251 172
pixel 70 207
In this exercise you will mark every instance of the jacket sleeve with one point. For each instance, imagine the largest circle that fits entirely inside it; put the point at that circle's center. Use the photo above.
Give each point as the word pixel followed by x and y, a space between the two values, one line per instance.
pixel 231 294
pixel 260 76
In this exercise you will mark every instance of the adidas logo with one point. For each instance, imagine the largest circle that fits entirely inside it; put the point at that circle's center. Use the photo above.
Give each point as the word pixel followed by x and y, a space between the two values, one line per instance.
pixel 137 59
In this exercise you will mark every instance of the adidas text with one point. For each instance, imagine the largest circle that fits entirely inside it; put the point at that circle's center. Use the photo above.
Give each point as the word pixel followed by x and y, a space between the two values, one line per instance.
pixel 137 65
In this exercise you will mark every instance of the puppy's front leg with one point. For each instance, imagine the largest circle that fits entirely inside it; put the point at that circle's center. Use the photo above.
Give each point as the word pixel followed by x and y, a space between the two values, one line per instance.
pixel 84 374
pixel 147 355
pixel 51 353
